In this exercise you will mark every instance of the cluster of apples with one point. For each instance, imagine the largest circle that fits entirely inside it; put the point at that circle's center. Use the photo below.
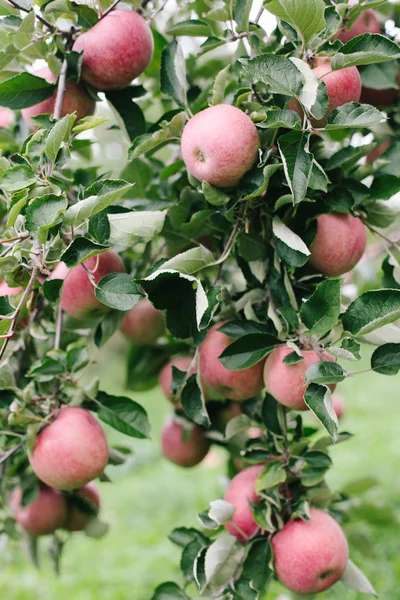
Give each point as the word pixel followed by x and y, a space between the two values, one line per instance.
pixel 115 51
pixel 68 454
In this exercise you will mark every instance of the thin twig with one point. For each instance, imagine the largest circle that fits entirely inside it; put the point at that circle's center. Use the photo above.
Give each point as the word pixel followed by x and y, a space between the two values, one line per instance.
pixel 20 236
pixel 381 235
pixel 156 12
pixel 60 90
pixel 229 244
pixel 110 9
pixel 28 10
pixel 258 16
pixel 59 323
pixel 7 455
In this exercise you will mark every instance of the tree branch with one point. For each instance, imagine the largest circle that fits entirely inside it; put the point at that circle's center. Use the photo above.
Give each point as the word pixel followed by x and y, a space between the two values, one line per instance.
pixel 28 10
pixel 59 323
pixel 7 455
pixel 60 90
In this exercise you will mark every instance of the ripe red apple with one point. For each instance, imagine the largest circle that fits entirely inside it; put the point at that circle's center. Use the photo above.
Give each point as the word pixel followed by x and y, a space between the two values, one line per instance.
pixel 342 86
pixel 60 271
pixel 165 379
pixel 44 515
pixel 6 116
pixel 286 382
pixel 310 556
pixel 378 151
pixel 182 452
pixel 143 324
pixel 338 406
pixel 75 100
pixel 116 50
pixel 379 98
pixel 367 22
pixel 339 244
pixel 219 145
pixel 240 493
pixel 6 290
pixel 71 451
pixel 77 519
pixel 78 297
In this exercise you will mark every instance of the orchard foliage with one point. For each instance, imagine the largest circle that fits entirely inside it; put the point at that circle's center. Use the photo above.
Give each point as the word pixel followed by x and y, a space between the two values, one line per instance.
pixel 243 271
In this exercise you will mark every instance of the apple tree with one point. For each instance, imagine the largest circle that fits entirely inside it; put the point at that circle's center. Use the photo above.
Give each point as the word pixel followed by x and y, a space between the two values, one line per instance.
pixel 229 246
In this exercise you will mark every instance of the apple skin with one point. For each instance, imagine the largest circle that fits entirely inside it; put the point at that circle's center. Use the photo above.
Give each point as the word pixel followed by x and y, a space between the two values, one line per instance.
pixel 219 145
pixel 343 86
pixel 310 556
pixel 220 382
pixel 75 100
pixel 76 519
pixel 143 324
pixel 71 451
pixel 116 50
pixel 339 244
pixel 239 493
pixel 6 290
pixel 44 515
pixel 60 271
pixel 6 116
pixel 184 454
pixel 378 151
pixel 379 98
pixel 77 296
pixel 165 378
pixel 286 382
pixel 367 22
pixel 338 406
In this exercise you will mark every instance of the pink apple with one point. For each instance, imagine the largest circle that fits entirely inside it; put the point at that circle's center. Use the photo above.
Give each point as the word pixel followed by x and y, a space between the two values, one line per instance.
pixel 77 519
pixel 71 451
pixel 241 492
pixel 220 382
pixel 338 406
pixel 116 50
pixel 75 100
pixel 78 296
pixel 6 116
pixel 182 363
pixel 143 324
pixel 44 515
pixel 60 271
pixel 310 556
pixel 286 382
pixel 185 452
pixel 367 22
pixel 378 151
pixel 339 244
pixel 219 145
pixel 6 290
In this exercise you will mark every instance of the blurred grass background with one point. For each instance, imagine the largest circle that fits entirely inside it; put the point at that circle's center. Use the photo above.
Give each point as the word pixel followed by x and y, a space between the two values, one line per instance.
pixel 151 496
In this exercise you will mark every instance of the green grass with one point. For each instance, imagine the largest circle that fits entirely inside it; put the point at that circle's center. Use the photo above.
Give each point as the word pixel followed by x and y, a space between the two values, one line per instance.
pixel 149 497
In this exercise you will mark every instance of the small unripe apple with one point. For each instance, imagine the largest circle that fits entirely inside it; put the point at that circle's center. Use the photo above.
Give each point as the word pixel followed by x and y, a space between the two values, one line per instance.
pixel 143 324
pixel 78 297
pixel 310 556
pixel 219 145
pixel 181 450
pixel 339 244
pixel 44 515
pixel 116 50
pixel 286 382
pixel 241 492
pixel 75 100
pixel 6 116
pixel 378 151
pixel 367 22
pixel 220 382
pixel 182 363
pixel 77 518
pixel 71 451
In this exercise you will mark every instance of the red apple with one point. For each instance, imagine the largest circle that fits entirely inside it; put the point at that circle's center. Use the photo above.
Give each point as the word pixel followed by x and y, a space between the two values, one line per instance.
pixel 6 290
pixel 116 50
pixel 75 100
pixel 165 379
pixel 77 519
pixel 286 382
pixel 143 324
pixel 44 515
pixel 240 493
pixel 60 271
pixel 310 556
pixel 219 145
pixel 71 451
pixel 338 406
pixel 6 116
pixel 78 297
pixel 378 151
pixel 221 382
pixel 367 22
pixel 339 244
pixel 181 451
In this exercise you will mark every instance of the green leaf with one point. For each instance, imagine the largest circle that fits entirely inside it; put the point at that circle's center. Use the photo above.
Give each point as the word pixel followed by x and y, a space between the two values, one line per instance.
pixel 318 178
pixel 382 76
pixel 87 16
pixel 118 291
pixel 123 414
pixel 354 579
pixel 218 89
pixel 128 228
pixel 289 245
pixel 256 569
pixel 88 123
pixel 253 187
pixel 173 73
pixel 193 402
pixel 169 591
pixel 151 141
pixel 43 213
pixel 79 250
pixel 214 195
pixel 386 359
pixel 191 261
pixel 25 90
pixel 191 27
pixel 58 134
pixel 276 118
pixel 272 475
pixel 371 310
pixel 52 289
pixel 306 16
pixel 297 162
pixel 247 351
pixel 107 326
pixel 17 178
pixel 325 372
pixel 318 399
pixel 321 311
pixel 365 49
pixel 278 73
pixel 384 187
pixel 130 112
pixel 347 156
pixel 96 198
pixel 352 115
pixel 221 560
